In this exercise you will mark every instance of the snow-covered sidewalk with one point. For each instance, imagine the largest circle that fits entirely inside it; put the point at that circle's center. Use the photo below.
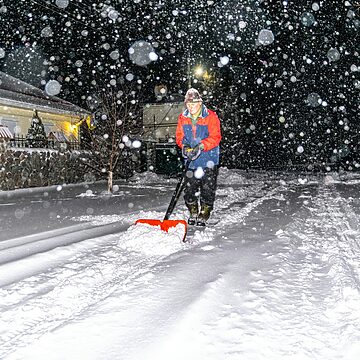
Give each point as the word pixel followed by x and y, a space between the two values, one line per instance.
pixel 276 277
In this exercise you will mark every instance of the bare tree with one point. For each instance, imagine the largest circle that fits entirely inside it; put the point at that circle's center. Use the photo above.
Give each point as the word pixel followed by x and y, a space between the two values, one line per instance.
pixel 109 139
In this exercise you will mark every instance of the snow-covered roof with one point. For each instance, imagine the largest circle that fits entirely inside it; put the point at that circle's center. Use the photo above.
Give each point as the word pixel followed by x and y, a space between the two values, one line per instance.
pixel 14 92
pixel 5 133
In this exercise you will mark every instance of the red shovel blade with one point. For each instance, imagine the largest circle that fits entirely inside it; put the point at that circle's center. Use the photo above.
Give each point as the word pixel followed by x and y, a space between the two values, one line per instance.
pixel 165 225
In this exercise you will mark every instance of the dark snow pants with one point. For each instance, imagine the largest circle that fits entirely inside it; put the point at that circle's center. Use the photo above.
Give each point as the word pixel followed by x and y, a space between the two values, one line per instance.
pixel 201 187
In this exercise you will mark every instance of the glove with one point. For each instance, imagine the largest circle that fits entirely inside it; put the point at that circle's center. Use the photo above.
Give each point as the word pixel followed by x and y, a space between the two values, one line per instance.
pixel 185 150
pixel 192 153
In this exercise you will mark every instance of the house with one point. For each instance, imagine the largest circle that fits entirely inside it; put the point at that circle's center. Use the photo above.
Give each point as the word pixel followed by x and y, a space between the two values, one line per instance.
pixel 19 100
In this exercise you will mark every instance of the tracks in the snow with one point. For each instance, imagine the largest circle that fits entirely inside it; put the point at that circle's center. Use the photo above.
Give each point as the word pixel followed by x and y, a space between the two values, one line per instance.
pixel 15 253
pixel 68 282
pixel 52 278
pixel 319 253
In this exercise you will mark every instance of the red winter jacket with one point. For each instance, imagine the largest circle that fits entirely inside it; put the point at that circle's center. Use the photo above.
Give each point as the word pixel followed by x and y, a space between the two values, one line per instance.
pixel 206 131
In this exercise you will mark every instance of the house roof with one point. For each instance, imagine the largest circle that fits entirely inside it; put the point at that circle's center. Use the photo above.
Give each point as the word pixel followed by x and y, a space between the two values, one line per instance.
pixel 14 92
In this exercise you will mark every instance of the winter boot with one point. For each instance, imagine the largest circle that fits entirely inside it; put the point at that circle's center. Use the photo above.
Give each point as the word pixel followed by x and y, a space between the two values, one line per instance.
pixel 194 211
pixel 204 215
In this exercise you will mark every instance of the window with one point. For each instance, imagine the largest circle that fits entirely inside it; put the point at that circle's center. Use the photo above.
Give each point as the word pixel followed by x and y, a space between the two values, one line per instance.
pixel 48 128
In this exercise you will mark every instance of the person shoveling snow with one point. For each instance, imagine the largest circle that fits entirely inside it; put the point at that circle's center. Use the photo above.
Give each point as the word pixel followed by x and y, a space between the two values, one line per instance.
pixel 198 135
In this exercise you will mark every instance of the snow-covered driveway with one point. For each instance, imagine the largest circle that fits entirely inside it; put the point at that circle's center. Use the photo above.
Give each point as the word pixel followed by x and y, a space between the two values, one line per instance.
pixel 276 277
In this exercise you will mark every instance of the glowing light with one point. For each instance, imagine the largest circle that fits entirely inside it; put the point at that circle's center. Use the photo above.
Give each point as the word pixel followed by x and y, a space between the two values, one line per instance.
pixel 199 71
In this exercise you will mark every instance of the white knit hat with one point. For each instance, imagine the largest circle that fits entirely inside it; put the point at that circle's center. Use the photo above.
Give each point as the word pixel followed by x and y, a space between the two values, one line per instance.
pixel 192 95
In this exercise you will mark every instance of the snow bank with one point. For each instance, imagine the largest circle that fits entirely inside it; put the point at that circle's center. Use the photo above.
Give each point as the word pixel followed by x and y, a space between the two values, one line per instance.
pixel 151 240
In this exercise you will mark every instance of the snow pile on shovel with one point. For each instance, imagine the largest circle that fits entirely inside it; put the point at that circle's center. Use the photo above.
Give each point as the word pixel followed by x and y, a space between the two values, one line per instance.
pixel 151 240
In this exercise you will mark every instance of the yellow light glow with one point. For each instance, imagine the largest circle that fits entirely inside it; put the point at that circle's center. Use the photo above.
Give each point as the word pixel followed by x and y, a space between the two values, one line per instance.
pixel 207 76
pixel 199 71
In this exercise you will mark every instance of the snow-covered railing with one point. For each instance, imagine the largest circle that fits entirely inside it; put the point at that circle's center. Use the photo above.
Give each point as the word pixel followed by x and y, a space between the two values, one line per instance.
pixel 23 142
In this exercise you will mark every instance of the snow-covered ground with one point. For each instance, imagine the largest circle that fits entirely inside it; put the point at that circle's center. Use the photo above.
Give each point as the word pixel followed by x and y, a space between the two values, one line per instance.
pixel 277 275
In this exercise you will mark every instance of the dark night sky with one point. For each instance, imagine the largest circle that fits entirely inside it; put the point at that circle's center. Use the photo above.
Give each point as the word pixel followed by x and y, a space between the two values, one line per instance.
pixel 290 99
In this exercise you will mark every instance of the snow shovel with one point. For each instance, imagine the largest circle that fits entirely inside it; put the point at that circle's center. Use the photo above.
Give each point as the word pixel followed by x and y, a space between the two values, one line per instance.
pixel 166 224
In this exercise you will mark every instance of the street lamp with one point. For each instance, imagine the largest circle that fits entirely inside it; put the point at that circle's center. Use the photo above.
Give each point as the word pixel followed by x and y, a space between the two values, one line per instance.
pixel 199 71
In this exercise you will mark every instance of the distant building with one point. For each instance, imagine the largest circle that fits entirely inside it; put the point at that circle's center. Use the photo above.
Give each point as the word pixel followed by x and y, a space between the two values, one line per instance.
pixel 160 120
pixel 19 101
pixel 159 124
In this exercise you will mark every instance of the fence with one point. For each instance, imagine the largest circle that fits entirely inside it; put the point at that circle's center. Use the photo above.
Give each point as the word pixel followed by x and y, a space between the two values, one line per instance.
pixel 23 142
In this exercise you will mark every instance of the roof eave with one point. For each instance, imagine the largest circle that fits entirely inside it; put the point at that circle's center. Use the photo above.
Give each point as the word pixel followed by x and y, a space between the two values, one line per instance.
pixel 39 107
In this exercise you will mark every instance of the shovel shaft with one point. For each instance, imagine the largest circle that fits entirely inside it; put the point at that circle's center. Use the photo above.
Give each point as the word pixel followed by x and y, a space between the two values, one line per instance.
pixel 179 188
pixel 174 199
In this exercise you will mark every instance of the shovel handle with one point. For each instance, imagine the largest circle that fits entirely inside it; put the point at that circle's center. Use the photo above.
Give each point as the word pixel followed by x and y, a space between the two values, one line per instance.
pixel 177 192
